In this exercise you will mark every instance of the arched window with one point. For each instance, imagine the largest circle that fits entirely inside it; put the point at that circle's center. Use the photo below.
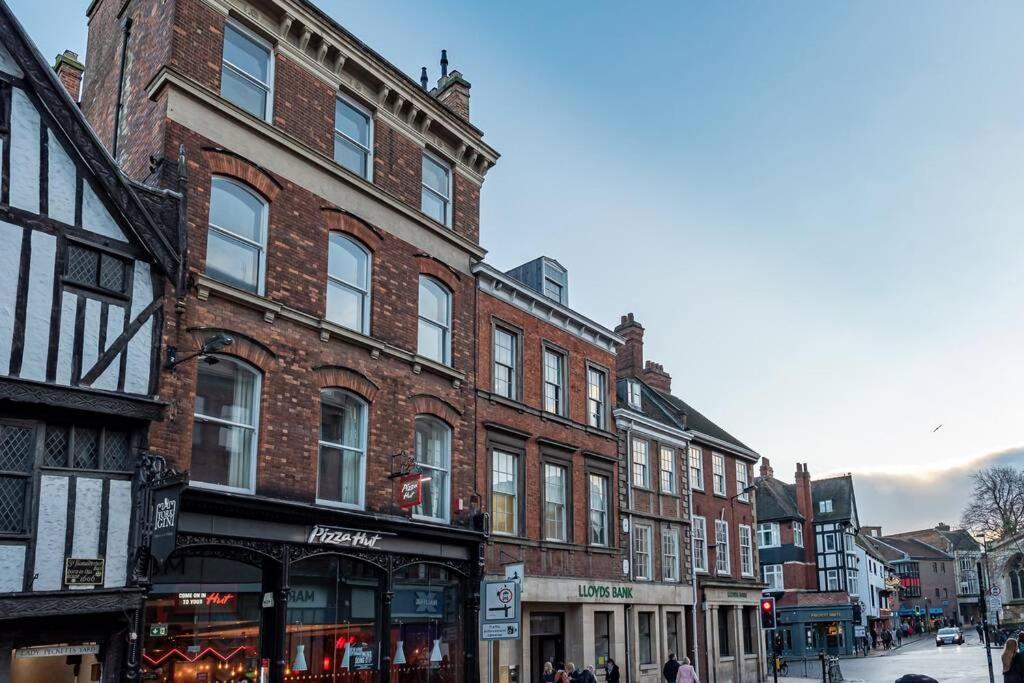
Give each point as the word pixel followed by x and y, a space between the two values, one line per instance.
pixel 1016 577
pixel 434 457
pixel 435 321
pixel 237 239
pixel 348 283
pixel 225 427
pixel 342 466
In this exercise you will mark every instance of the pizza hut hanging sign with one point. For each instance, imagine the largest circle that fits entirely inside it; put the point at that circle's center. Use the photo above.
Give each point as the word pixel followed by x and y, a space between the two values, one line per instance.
pixel 410 491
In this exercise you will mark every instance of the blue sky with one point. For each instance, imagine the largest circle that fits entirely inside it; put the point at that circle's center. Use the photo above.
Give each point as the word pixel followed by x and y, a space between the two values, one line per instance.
pixel 814 208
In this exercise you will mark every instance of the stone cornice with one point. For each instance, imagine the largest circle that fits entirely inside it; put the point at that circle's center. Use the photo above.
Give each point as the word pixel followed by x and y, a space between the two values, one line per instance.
pixel 510 290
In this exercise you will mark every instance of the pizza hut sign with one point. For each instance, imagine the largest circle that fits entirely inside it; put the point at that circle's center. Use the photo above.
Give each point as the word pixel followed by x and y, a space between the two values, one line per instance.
pixel 346 538
pixel 410 491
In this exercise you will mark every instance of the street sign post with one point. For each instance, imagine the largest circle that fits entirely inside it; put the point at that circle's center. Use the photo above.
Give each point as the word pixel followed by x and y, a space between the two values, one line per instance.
pixel 499 610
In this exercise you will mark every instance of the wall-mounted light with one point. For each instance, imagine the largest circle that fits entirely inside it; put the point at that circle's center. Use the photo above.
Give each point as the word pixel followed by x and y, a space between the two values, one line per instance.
pixel 213 344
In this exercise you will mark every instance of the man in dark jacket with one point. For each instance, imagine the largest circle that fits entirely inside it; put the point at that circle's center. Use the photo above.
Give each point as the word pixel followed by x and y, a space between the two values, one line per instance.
pixel 670 669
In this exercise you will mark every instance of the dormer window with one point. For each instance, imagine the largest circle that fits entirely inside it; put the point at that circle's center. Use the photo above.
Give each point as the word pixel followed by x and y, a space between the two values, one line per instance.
pixel 555 279
pixel 825 505
pixel 634 393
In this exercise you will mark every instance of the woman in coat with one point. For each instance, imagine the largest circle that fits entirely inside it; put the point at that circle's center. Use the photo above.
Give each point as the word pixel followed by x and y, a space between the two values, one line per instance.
pixel 1013 662
pixel 686 673
pixel 612 671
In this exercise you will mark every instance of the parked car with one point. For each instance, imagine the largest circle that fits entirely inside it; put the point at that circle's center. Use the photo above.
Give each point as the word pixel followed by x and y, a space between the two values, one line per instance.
pixel 949 636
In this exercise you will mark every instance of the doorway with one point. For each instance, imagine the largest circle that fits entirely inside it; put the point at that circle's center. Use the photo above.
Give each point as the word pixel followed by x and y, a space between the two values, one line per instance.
pixel 547 642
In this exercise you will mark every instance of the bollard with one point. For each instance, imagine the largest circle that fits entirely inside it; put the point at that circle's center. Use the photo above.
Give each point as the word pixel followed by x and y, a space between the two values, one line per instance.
pixel 821 658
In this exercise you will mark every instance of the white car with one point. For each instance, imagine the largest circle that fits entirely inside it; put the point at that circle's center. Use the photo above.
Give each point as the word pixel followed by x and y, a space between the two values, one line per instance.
pixel 949 636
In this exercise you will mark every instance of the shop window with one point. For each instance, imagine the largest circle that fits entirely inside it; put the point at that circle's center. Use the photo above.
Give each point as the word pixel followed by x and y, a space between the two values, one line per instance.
pixel 348 283
pixel 645 648
pixel 342 449
pixel 203 621
pixel 725 631
pixel 224 431
pixel 427 626
pixel 433 457
pixel 602 638
pixel 333 619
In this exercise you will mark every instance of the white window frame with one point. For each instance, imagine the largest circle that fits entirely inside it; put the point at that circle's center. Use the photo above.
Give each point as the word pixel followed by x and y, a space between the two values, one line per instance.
pixel 446 327
pixel 768 535
pixel 798 534
pixel 447 200
pixel 605 512
pixel 513 369
pixel 774 577
pixel 561 405
pixel 670 554
pixel 352 102
pixel 515 460
pixel 825 505
pixel 363 433
pixel 633 393
pixel 670 471
pixel 696 455
pixel 643 541
pixel 447 469
pixel 722 548
pixel 257 388
pixel 743 482
pixel 268 115
pixel 261 246
pixel 829 539
pixel 597 418
pixel 746 539
pixel 700 535
pixel 831 574
pixel 563 513
pixel 718 473
pixel 644 464
pixel 367 294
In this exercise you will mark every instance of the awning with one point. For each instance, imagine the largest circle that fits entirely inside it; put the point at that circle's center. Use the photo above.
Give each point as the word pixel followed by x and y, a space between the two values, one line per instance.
pixel 935 610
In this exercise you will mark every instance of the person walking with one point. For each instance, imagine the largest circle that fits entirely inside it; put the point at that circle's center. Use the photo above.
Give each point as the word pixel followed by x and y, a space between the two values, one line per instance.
pixel 686 673
pixel 899 636
pixel 670 669
pixel 1013 662
pixel 611 671
pixel 562 676
pixel 587 675
pixel 570 669
pixel 548 676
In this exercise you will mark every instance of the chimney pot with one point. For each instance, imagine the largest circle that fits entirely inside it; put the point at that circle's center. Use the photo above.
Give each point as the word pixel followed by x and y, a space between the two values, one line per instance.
pixel 423 77
pixel 69 71
pixel 444 63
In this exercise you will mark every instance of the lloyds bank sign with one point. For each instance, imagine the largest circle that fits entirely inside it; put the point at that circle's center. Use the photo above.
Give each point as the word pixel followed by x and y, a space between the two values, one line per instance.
pixel 589 590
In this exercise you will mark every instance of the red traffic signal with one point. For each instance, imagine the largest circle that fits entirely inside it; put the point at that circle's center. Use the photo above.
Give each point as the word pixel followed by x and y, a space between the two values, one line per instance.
pixel 768 613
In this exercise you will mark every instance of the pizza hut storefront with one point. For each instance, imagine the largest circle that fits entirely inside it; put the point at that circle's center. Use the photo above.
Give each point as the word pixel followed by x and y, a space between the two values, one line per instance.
pixel 276 596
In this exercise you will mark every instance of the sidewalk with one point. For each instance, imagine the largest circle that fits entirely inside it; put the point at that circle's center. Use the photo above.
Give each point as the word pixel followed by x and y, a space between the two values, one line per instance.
pixel 909 640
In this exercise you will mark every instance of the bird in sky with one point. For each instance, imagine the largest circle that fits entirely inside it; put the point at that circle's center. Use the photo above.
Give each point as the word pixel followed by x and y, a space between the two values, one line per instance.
pixel 937 429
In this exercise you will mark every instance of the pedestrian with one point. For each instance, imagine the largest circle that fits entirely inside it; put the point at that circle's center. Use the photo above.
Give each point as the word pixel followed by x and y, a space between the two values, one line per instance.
pixel 1013 662
pixel 899 636
pixel 611 671
pixel 874 639
pixel 686 673
pixel 670 669
pixel 562 676
pixel 587 675
pixel 981 632
pixel 886 639
pixel 570 669
pixel 549 673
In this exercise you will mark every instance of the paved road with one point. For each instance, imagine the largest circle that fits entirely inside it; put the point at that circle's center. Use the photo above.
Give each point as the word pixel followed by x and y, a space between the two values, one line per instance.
pixel 947 664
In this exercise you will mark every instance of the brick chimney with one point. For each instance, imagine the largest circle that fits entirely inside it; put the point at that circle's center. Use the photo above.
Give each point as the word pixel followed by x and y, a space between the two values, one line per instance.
pixel 452 89
pixel 873 531
pixel 69 71
pixel 654 374
pixel 766 469
pixel 629 359
pixel 805 505
pixel 942 526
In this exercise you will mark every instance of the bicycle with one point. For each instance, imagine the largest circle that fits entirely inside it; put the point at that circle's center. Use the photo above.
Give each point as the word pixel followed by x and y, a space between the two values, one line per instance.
pixel 834 672
pixel 781 667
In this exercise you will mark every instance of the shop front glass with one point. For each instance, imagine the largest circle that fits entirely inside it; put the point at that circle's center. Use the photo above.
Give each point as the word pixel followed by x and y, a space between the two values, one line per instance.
pixel 203 622
pixel 427 630
pixel 333 613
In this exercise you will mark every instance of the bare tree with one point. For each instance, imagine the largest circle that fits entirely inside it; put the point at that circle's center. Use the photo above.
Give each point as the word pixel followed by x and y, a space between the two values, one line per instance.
pixel 996 509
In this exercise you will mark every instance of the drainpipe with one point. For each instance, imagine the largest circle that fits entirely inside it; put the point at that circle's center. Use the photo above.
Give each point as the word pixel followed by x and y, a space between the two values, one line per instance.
pixel 126 29
pixel 693 575
pixel 629 546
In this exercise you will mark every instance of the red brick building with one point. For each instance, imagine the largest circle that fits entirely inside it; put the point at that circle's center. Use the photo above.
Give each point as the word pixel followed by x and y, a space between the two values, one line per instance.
pixel 547 462
pixel 703 491
pixel 333 220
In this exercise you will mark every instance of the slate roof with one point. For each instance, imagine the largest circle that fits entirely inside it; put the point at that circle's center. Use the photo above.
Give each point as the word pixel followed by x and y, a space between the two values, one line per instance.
pixel 916 550
pixel 776 500
pixel 125 196
pixel 885 550
pixel 697 422
pixel 961 539
pixel 650 405
pixel 840 491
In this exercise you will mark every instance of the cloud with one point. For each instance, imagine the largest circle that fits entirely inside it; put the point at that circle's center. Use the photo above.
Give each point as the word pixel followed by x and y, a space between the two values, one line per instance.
pixel 905 502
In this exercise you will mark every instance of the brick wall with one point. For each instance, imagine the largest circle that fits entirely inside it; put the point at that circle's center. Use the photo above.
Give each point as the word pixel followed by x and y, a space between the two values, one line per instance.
pixel 736 512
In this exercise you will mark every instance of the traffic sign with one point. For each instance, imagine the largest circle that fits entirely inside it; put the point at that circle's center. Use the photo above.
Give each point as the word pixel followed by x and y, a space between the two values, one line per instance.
pixel 499 610
pixel 995 590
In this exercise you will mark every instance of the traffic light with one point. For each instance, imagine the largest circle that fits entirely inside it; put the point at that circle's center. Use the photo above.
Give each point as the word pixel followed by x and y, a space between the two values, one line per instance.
pixel 767 613
pixel 856 613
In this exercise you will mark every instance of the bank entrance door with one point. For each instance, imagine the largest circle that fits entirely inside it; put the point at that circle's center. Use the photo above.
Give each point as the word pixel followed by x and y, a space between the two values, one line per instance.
pixel 547 644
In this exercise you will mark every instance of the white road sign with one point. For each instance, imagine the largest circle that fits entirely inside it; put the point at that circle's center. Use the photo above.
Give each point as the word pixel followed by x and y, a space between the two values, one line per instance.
pixel 508 631
pixel 499 610
pixel 995 590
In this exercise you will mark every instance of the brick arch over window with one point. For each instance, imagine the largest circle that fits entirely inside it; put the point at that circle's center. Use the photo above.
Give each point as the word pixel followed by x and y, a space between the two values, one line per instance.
pixel 243 346
pixel 425 404
pixel 339 220
pixel 222 162
pixel 434 268
pixel 337 377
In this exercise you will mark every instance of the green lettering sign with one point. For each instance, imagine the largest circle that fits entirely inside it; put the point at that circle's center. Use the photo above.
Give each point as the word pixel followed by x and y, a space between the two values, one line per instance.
pixel 584 590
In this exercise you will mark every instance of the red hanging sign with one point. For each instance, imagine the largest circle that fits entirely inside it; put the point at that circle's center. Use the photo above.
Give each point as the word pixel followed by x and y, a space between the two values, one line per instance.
pixel 410 491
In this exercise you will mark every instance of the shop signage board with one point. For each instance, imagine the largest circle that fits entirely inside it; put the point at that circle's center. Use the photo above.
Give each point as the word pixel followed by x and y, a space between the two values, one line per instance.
pixel 410 491
pixel 58 650
pixel 499 610
pixel 166 509
pixel 79 571
pixel 346 538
